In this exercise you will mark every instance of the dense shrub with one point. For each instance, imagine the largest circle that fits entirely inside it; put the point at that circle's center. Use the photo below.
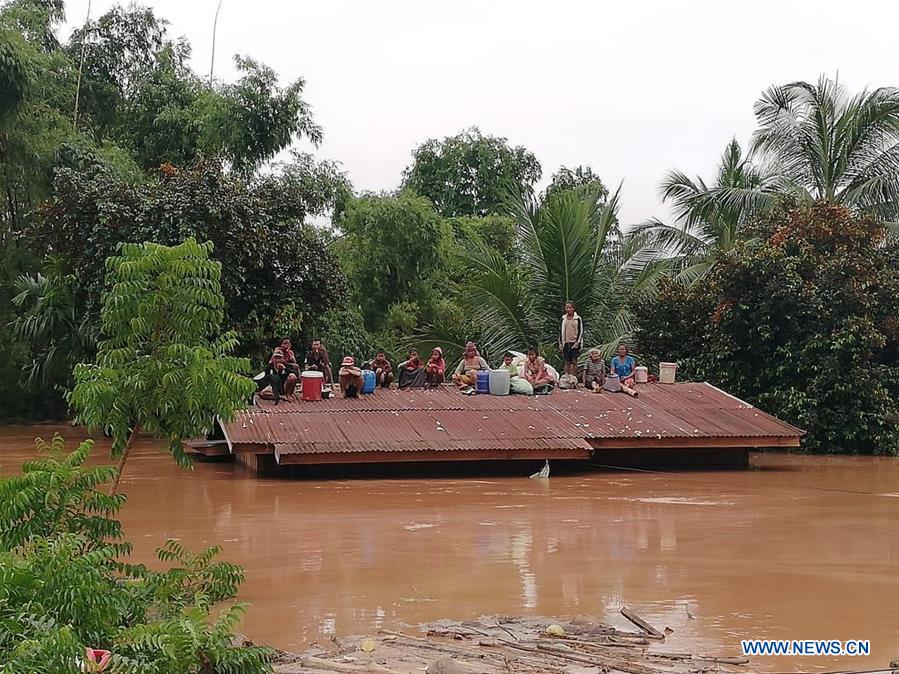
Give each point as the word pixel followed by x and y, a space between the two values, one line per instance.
pixel 801 319
pixel 65 583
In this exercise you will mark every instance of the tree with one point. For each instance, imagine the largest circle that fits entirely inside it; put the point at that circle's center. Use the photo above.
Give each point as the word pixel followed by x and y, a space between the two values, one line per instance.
pixel 276 270
pixel 494 231
pixel 567 253
pixel 66 583
pixel 160 368
pixel 393 249
pixel 470 173
pixel 253 119
pixel 706 228
pixel 119 48
pixel 581 177
pixel 800 319
pixel 824 145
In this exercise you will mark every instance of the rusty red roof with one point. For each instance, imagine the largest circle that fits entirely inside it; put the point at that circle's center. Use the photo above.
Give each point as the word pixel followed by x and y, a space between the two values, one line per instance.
pixel 443 419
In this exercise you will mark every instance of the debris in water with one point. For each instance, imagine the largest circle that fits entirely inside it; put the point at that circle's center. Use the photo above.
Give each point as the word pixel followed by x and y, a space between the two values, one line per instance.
pixel 502 644
pixel 543 472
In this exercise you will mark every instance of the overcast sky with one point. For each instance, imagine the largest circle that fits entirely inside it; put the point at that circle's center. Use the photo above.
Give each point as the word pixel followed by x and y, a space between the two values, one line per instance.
pixel 630 88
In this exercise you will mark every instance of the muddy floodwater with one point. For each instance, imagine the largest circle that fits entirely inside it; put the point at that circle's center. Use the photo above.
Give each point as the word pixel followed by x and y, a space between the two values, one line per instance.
pixel 795 548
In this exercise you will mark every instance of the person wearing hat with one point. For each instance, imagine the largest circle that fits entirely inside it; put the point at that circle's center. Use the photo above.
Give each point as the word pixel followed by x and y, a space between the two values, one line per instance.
pixel 411 372
pixel 279 377
pixel 466 373
pixel 350 378
pixel 435 368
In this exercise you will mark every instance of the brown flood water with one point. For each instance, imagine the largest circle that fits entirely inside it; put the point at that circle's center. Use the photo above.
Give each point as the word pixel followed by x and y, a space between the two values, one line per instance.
pixel 795 548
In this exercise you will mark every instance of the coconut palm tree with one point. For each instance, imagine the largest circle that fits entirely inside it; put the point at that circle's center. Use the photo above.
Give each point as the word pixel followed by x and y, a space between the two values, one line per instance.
pixel 705 226
pixel 570 249
pixel 823 144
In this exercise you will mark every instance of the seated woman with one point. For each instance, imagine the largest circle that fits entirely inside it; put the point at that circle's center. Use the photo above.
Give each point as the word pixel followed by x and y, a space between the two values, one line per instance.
pixel 382 369
pixel 517 384
pixel 279 377
pixel 411 372
pixel 536 374
pixel 623 365
pixel 435 368
pixel 466 373
pixel 350 378
pixel 594 371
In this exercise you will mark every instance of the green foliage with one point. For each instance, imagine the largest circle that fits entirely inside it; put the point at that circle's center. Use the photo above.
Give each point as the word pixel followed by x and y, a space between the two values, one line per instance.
pixel 802 319
pixel 343 332
pixel 578 178
pixel 706 226
pixel 64 584
pixel 494 231
pixel 13 76
pixel 29 510
pixel 275 269
pixel 568 251
pixel 252 120
pixel 394 248
pixel 470 173
pixel 159 368
pixel 138 89
pixel 818 143
pixel 48 324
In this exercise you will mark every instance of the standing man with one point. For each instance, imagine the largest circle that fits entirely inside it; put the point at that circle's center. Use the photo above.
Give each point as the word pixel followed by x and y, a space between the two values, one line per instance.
pixel 317 359
pixel 571 339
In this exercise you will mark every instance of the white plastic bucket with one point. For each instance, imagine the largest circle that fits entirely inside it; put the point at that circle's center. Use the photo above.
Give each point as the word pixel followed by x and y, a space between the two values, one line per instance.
pixel 641 374
pixel 666 372
pixel 500 382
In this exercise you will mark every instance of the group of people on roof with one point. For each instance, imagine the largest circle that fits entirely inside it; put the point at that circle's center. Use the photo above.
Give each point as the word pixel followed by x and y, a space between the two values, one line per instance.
pixel 529 373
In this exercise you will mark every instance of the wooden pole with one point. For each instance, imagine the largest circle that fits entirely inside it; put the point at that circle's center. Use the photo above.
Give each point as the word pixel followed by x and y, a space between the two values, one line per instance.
pixel 650 631
pixel 630 391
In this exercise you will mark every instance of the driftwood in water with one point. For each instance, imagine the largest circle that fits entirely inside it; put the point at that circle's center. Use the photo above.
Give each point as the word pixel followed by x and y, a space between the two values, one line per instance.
pixel 502 645
pixel 650 631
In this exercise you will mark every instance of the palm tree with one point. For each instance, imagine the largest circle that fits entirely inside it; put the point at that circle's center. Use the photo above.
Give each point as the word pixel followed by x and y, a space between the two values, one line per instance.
pixel 706 226
pixel 824 145
pixel 570 249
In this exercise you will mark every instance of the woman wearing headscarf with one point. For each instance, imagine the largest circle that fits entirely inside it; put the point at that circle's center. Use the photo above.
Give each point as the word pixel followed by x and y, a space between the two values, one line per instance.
pixel 435 368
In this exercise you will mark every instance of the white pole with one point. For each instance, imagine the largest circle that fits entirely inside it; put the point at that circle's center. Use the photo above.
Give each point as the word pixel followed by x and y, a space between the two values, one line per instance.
pixel 214 27
pixel 81 66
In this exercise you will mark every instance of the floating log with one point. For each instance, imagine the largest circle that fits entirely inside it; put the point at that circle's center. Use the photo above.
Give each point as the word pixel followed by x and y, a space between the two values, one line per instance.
pixel 648 629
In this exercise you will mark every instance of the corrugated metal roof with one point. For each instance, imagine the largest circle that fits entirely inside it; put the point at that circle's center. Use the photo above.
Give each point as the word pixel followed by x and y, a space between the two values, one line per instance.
pixel 443 419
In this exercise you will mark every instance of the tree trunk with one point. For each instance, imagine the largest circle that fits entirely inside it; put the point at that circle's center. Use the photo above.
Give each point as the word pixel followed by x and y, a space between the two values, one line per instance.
pixel 118 476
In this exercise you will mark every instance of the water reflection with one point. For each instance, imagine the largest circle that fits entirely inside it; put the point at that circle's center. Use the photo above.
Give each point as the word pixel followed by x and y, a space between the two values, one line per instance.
pixel 800 548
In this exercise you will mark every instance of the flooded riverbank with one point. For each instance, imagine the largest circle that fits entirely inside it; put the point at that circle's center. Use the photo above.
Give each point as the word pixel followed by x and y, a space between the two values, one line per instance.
pixel 796 548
